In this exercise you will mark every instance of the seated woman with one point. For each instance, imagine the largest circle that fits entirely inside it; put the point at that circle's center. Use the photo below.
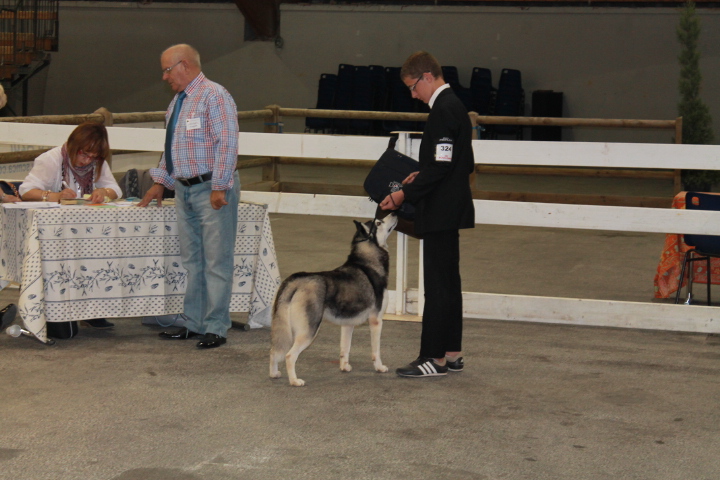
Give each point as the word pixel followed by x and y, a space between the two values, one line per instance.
pixel 74 169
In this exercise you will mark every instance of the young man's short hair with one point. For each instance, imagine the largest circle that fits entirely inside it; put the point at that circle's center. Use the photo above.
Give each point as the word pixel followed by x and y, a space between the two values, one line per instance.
pixel 419 63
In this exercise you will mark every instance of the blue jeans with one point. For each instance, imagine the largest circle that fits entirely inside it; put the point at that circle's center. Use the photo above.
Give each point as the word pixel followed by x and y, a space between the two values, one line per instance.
pixel 207 244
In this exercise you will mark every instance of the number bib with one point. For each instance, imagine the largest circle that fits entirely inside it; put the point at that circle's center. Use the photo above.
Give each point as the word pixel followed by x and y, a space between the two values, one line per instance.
pixel 444 150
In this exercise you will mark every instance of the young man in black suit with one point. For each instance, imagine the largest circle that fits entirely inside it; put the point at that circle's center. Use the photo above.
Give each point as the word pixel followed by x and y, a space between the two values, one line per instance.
pixel 440 191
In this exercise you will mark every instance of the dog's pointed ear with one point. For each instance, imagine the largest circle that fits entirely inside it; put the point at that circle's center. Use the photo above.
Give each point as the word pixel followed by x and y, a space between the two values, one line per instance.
pixel 360 227
pixel 373 228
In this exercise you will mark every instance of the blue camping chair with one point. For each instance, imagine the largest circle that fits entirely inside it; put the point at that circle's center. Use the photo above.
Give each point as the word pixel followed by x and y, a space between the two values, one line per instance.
pixel 705 247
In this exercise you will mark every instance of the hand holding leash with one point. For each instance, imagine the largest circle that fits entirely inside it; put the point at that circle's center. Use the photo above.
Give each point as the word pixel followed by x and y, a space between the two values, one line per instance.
pixel 393 201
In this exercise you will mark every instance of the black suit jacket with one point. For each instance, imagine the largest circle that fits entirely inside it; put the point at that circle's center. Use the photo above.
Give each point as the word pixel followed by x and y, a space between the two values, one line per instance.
pixel 441 190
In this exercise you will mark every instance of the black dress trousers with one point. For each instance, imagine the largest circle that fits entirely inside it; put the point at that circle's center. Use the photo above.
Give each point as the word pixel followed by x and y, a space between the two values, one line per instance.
pixel 442 316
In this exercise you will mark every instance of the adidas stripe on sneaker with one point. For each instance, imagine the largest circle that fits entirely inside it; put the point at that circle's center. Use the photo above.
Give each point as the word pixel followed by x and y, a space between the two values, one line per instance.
pixel 422 367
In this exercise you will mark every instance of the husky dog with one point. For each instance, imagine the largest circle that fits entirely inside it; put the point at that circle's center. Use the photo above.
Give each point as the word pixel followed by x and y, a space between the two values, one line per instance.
pixel 347 296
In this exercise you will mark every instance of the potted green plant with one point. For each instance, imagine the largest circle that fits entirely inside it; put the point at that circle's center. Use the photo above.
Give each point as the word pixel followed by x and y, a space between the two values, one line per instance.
pixel 697 121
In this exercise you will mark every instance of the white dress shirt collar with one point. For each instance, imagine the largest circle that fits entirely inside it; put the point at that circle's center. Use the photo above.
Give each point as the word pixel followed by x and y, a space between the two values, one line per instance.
pixel 436 93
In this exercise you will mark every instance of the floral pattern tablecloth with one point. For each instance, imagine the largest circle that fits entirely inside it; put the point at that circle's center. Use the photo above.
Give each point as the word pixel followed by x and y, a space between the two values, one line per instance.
pixel 667 277
pixel 83 262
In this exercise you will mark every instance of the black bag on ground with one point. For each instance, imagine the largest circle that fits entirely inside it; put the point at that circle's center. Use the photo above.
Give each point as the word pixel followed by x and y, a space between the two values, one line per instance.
pixel 386 176
pixel 62 330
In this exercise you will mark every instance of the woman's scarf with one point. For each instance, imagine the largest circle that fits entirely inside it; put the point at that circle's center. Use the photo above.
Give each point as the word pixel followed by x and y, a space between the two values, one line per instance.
pixel 83 176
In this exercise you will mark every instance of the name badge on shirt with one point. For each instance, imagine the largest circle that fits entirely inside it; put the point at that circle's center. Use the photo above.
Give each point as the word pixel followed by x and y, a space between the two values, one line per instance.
pixel 192 123
pixel 444 150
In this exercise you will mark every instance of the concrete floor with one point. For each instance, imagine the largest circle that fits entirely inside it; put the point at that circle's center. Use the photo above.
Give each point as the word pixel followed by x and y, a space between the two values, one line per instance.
pixel 534 402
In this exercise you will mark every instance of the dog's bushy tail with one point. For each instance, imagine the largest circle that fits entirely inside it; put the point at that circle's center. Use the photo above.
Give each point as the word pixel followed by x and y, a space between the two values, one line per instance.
pixel 297 313
pixel 281 332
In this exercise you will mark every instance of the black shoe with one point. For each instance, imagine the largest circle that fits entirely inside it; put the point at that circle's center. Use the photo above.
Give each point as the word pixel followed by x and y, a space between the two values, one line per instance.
pixel 99 323
pixel 211 341
pixel 7 315
pixel 422 367
pixel 456 366
pixel 182 334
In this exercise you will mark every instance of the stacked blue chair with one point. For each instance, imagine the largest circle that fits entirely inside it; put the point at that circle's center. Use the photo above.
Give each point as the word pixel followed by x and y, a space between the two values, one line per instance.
pixel 344 96
pixel 362 100
pixel 451 77
pixel 509 102
pixel 482 95
pixel 482 91
pixel 325 101
pixel 377 77
pixel 399 100
pixel 369 88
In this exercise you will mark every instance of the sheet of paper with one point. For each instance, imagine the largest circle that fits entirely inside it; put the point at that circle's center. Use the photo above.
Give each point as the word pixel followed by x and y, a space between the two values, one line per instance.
pixel 31 205
pixel 124 203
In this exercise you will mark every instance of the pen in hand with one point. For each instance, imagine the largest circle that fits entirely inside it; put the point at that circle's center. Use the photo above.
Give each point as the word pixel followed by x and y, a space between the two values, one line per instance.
pixel 67 186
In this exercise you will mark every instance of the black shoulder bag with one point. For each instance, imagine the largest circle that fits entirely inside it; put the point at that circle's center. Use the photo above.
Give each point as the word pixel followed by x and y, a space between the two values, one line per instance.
pixel 385 177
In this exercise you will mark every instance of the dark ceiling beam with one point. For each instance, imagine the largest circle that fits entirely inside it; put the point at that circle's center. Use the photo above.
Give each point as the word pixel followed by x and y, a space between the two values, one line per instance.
pixel 263 16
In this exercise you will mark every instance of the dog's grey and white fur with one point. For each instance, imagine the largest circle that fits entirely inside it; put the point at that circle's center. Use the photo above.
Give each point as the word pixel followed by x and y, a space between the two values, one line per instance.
pixel 348 296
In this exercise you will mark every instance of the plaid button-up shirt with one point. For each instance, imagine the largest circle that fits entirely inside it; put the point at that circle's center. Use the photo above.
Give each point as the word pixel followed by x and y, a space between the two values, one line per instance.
pixel 205 137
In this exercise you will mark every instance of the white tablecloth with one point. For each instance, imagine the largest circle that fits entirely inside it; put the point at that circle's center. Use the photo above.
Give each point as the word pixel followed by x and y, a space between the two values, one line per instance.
pixel 82 262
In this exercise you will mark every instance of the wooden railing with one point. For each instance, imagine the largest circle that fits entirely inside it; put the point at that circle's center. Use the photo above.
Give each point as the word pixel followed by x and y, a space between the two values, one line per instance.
pixel 273 119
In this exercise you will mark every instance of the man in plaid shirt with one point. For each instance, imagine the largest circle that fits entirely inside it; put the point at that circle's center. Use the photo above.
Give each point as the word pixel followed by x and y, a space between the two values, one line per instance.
pixel 199 164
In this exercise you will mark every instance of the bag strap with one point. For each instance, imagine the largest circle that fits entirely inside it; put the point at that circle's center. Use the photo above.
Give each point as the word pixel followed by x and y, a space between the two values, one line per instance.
pixel 392 142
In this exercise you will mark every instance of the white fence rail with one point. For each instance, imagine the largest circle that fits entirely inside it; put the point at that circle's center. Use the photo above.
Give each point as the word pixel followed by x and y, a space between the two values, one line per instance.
pixel 479 305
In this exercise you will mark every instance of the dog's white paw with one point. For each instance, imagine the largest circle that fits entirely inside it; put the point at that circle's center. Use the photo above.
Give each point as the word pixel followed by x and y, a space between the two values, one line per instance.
pixel 298 382
pixel 381 368
pixel 275 375
pixel 345 367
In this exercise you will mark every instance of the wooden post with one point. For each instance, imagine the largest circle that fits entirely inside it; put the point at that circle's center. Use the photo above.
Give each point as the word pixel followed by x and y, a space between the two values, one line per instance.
pixel 107 116
pixel 473 121
pixel 475 136
pixel 677 178
pixel 272 125
pixel 108 122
